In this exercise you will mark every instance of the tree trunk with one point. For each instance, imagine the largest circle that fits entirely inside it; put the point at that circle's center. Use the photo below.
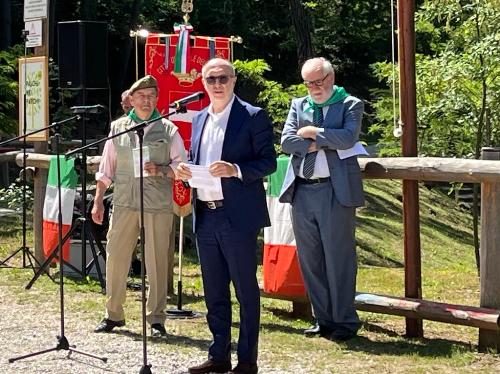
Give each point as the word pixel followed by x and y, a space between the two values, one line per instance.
pixel 302 24
pixel 6 24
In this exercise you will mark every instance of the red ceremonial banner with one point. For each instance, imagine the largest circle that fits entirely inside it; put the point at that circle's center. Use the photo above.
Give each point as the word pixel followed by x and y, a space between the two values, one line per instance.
pixel 178 72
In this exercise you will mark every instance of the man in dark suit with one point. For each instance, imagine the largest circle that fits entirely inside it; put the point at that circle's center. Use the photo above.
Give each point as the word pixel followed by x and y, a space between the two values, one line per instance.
pixel 323 185
pixel 234 140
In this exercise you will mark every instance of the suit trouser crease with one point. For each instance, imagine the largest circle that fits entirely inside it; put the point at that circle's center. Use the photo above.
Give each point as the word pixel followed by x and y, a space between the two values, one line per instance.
pixel 122 239
pixel 229 255
pixel 324 232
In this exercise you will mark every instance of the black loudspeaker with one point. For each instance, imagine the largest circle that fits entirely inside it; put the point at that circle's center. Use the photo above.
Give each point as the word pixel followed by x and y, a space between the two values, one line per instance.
pixel 83 54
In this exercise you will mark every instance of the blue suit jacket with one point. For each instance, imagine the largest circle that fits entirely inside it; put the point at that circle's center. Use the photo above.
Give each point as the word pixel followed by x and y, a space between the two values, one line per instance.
pixel 342 125
pixel 248 142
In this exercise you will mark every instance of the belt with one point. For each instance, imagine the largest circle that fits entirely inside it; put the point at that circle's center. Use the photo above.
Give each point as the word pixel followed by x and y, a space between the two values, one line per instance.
pixel 300 180
pixel 211 204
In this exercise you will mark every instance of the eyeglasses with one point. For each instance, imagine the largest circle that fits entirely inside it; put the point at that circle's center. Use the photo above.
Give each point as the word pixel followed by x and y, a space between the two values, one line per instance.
pixel 222 79
pixel 317 83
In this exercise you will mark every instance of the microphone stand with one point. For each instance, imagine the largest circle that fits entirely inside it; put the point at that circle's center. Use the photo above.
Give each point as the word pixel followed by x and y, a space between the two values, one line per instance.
pixel 62 341
pixel 139 130
pixel 24 249
pixel 54 253
pixel 43 266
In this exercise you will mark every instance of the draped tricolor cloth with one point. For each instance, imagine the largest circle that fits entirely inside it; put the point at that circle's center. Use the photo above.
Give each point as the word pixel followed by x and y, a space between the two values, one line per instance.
pixel 280 265
pixel 69 179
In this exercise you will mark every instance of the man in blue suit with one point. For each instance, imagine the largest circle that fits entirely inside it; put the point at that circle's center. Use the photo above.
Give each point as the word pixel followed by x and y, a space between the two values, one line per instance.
pixel 235 141
pixel 323 185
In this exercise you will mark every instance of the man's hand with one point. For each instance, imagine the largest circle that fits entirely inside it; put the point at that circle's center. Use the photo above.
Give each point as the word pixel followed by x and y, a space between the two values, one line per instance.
pixel 223 169
pixel 153 169
pixel 312 147
pixel 98 212
pixel 308 132
pixel 183 172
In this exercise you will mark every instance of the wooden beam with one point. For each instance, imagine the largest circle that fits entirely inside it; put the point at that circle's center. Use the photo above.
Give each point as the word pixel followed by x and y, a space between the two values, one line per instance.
pixel 489 253
pixel 483 318
pixel 411 168
pixel 430 169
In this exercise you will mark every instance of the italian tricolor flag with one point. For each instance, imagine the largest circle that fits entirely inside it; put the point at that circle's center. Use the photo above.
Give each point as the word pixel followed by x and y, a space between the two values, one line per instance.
pixel 182 49
pixel 281 267
pixel 69 179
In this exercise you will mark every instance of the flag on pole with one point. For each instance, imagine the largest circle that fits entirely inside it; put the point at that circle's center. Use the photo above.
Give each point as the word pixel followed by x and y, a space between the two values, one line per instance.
pixel 182 49
pixel 69 180
pixel 280 266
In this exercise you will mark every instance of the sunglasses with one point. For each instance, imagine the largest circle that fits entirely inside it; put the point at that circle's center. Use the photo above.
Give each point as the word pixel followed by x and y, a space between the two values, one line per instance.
pixel 317 83
pixel 222 79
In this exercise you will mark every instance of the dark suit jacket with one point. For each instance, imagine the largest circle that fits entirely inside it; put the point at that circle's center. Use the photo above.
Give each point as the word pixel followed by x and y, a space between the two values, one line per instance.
pixel 248 142
pixel 342 125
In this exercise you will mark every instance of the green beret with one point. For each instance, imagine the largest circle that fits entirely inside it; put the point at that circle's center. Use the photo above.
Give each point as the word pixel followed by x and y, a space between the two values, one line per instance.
pixel 146 82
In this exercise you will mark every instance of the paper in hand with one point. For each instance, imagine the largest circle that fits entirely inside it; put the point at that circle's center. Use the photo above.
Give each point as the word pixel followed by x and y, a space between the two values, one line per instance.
pixel 145 158
pixel 202 179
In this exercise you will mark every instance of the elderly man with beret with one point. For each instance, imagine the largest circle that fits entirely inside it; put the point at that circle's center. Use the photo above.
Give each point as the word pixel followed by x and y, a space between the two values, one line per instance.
pixel 166 151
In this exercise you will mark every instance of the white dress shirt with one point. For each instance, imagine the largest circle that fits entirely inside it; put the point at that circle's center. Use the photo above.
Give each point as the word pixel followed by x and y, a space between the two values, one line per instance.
pixel 212 140
pixel 321 169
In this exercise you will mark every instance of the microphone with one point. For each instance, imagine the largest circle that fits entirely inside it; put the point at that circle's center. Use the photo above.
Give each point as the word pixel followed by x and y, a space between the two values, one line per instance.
pixel 88 109
pixel 188 99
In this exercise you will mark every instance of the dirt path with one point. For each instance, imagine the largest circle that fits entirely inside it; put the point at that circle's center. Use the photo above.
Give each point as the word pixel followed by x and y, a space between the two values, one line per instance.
pixel 31 327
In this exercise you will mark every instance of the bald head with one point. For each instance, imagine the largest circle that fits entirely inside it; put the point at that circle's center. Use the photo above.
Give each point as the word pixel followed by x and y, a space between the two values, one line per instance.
pixel 218 63
pixel 219 80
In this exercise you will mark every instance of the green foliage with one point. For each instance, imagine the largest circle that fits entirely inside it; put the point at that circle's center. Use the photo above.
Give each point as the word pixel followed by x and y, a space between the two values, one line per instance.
pixel 458 84
pixel 9 89
pixel 272 95
pixel 12 196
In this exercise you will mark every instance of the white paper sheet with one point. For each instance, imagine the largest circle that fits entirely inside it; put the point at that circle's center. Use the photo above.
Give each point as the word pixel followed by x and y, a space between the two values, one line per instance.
pixel 356 150
pixel 145 158
pixel 201 178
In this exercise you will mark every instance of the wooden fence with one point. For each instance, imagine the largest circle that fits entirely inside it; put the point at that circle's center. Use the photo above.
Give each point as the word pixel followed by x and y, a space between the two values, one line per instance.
pixel 485 172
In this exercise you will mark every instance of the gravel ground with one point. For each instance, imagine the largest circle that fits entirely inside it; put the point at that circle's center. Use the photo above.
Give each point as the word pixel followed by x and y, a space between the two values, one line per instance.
pixel 33 327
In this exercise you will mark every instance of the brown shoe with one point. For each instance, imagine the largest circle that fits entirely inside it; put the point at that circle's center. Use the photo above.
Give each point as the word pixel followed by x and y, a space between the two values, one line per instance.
pixel 245 368
pixel 210 366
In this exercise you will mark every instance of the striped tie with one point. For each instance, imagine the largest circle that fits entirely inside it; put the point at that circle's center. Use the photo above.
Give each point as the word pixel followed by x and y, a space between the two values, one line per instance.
pixel 310 158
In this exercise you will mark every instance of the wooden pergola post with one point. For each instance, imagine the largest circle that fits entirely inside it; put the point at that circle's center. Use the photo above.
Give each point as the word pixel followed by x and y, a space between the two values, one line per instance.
pixel 489 252
pixel 408 115
pixel 40 178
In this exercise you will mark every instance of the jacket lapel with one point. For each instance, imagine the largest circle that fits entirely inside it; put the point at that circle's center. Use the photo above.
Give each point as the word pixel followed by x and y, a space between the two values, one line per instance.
pixel 234 123
pixel 198 126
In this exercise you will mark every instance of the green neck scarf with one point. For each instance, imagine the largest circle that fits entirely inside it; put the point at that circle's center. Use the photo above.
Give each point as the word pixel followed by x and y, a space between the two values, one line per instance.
pixel 338 94
pixel 134 117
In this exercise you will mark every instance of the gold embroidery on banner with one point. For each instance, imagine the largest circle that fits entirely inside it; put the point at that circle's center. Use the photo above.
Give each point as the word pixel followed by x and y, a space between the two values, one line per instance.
pixel 187 79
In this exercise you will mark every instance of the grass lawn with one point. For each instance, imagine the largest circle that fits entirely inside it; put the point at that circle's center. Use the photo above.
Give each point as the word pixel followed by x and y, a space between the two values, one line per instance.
pixel 448 273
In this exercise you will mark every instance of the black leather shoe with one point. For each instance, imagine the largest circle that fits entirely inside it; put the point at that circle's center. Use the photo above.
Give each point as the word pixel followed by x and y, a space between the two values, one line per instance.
pixel 107 325
pixel 342 334
pixel 318 330
pixel 244 368
pixel 158 330
pixel 210 366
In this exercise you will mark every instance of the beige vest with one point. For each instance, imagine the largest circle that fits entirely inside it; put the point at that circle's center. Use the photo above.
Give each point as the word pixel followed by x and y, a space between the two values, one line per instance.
pixel 157 190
